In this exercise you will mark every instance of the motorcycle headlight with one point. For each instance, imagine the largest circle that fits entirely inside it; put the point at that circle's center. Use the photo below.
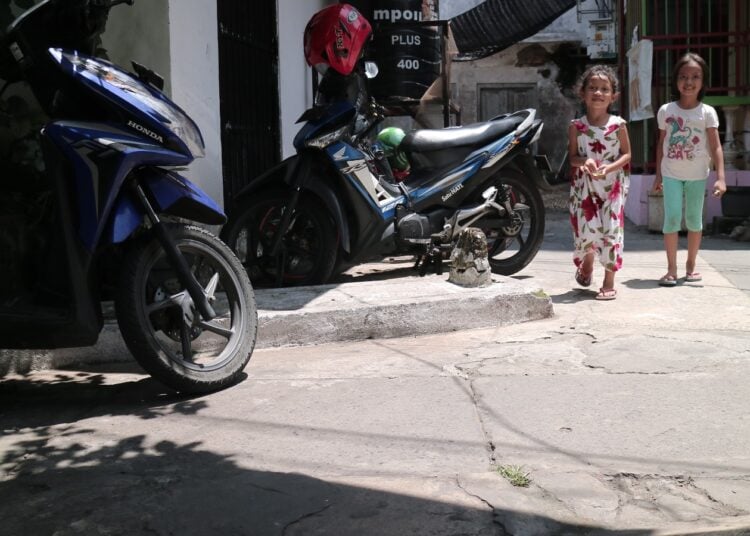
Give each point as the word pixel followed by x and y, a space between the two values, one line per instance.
pixel 321 142
pixel 188 132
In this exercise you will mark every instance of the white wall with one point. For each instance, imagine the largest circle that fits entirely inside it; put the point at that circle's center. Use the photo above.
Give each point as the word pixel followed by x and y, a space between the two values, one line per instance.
pixel 138 33
pixel 295 82
pixel 179 40
pixel 194 51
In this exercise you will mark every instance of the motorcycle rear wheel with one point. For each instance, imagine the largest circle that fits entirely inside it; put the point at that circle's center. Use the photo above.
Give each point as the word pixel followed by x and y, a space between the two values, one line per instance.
pixel 512 248
pixel 308 250
pixel 163 329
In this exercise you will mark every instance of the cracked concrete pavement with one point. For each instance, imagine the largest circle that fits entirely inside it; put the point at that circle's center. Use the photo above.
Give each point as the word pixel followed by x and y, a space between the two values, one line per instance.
pixel 630 417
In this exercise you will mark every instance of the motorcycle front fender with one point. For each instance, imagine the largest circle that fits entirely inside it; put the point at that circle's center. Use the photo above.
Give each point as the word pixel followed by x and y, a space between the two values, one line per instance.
pixel 526 164
pixel 294 172
pixel 279 173
pixel 171 194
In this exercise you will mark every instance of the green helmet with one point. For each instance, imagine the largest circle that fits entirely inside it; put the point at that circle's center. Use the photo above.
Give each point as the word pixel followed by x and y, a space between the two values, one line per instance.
pixel 390 138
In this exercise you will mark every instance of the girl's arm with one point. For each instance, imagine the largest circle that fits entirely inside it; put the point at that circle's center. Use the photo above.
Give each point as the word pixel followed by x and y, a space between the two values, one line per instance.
pixel 588 164
pixel 659 156
pixel 717 155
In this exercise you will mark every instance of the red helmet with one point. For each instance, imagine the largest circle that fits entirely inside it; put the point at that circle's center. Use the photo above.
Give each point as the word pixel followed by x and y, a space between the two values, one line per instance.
pixel 335 37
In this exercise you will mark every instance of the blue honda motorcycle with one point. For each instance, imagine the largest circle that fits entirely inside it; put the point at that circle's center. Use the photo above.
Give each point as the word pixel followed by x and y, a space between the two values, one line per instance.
pixel 338 202
pixel 104 218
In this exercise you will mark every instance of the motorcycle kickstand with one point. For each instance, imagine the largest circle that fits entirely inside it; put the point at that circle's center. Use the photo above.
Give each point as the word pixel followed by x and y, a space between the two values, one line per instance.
pixel 431 257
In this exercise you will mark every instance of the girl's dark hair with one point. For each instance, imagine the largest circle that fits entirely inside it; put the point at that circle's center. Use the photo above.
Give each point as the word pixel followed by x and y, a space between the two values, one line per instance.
pixel 690 57
pixel 604 71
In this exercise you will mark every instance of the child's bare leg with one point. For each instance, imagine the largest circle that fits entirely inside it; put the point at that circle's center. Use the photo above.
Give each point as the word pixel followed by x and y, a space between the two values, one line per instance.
pixel 670 245
pixel 694 244
pixel 587 266
pixel 609 279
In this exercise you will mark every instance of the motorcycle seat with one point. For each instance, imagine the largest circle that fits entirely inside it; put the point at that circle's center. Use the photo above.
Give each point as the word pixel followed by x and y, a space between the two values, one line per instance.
pixel 475 135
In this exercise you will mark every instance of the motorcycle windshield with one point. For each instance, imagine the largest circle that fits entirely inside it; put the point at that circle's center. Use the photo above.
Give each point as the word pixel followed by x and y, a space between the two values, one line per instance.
pixel 152 113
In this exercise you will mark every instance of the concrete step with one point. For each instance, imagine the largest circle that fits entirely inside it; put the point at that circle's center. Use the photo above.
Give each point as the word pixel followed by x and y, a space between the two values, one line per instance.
pixel 395 307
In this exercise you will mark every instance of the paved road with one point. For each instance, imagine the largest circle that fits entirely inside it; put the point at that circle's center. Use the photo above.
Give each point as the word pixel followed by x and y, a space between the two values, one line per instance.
pixel 629 417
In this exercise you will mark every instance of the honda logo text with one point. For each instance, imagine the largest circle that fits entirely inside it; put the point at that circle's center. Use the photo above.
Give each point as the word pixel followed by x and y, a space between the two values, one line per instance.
pixel 143 130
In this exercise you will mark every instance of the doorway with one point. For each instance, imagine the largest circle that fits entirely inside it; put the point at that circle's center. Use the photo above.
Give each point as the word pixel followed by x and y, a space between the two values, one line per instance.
pixel 249 92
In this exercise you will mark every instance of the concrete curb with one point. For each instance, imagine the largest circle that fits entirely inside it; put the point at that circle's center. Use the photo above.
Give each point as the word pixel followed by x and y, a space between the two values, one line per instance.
pixel 396 308
pixel 329 313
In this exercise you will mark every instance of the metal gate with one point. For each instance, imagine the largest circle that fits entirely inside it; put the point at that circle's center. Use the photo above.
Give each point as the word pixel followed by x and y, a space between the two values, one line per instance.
pixel 249 93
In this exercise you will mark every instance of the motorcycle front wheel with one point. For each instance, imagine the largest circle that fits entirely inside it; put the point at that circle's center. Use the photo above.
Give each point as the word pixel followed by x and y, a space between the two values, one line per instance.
pixel 511 248
pixel 308 249
pixel 162 327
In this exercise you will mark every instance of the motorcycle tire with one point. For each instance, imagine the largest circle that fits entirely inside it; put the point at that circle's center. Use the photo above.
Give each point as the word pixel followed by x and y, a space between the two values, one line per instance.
pixel 153 310
pixel 308 250
pixel 512 248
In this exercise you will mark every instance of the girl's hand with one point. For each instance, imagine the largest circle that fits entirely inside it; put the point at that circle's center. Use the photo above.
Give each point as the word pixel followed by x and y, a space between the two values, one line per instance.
pixel 590 166
pixel 657 184
pixel 720 188
pixel 600 172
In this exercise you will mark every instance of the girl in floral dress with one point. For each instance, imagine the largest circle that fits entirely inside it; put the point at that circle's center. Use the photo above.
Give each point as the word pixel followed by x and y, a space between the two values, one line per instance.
pixel 599 153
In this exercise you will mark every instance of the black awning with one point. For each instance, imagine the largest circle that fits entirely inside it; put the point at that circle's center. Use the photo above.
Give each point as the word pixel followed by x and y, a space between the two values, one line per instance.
pixel 497 24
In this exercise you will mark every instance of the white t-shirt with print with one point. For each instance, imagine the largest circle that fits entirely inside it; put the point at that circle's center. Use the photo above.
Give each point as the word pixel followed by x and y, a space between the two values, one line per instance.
pixel 686 153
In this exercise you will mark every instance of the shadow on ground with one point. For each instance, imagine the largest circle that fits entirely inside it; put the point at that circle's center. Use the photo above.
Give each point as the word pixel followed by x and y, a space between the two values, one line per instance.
pixel 69 396
pixel 67 480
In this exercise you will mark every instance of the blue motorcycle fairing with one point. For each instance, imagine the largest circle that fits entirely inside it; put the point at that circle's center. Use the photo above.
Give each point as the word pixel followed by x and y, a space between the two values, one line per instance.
pixel 126 218
pixel 176 195
pixel 103 155
pixel 351 163
pixel 497 150
pixel 451 183
pixel 338 113
pixel 158 118
pixel 173 194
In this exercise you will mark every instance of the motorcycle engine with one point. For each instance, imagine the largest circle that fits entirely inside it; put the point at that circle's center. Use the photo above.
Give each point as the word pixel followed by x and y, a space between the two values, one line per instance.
pixel 414 226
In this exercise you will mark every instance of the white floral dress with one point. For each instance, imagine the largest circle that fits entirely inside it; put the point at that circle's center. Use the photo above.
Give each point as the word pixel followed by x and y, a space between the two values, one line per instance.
pixel 597 206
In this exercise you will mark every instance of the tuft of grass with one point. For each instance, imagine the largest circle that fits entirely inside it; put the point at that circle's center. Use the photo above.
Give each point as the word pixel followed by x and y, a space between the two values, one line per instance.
pixel 515 475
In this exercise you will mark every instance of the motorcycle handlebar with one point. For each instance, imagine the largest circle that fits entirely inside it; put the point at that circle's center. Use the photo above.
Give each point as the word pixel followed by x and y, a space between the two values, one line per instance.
pixel 376 115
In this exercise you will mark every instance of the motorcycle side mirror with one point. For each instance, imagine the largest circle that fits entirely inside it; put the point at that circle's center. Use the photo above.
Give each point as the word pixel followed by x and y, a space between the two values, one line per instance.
pixel 371 69
pixel 148 76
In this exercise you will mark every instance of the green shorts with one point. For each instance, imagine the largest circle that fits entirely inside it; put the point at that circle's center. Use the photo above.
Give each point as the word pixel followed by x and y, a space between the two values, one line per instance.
pixel 693 192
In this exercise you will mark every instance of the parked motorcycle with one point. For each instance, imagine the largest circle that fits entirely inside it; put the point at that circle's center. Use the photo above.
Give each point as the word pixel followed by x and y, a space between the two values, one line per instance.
pixel 104 219
pixel 339 200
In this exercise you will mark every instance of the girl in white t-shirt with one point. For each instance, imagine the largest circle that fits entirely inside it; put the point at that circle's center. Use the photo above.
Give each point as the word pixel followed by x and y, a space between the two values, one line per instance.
pixel 688 141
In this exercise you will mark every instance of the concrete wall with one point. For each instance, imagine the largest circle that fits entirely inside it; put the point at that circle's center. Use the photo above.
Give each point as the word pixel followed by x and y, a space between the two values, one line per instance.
pixel 138 32
pixel 295 82
pixel 553 106
pixel 173 38
pixel 644 208
pixel 539 61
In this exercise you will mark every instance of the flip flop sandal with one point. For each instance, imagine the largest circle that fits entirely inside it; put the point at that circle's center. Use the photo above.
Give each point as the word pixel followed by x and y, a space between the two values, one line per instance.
pixel 668 281
pixel 583 280
pixel 692 277
pixel 606 294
